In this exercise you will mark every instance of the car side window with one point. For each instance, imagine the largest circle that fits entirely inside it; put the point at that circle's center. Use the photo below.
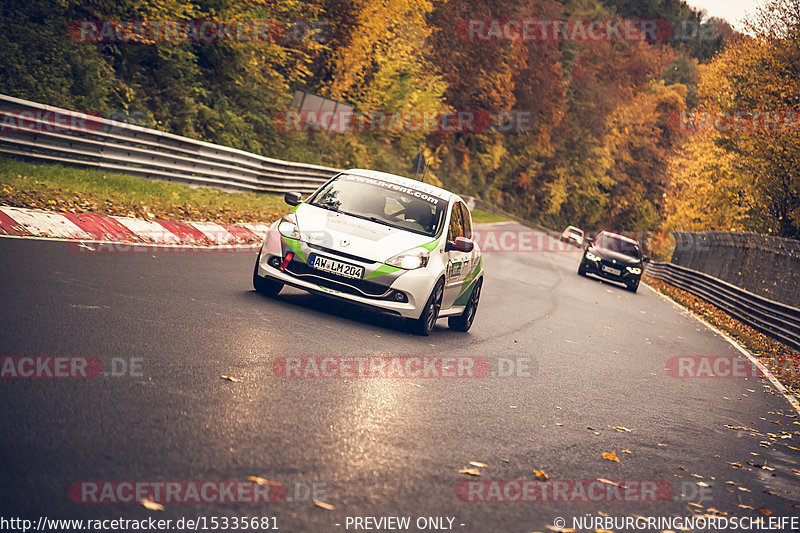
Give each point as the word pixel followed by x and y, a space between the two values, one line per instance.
pixel 456 228
pixel 466 221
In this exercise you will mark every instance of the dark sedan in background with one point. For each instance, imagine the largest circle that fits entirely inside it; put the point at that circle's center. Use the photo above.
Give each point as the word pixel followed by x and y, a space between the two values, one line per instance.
pixel 614 257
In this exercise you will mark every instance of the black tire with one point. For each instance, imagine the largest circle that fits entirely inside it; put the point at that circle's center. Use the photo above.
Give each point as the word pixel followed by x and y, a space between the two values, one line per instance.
pixel 427 320
pixel 265 286
pixel 464 321
pixel 581 270
pixel 633 286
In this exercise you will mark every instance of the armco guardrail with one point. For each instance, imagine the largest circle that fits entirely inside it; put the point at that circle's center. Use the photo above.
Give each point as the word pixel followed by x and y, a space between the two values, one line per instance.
pixel 61 136
pixel 775 319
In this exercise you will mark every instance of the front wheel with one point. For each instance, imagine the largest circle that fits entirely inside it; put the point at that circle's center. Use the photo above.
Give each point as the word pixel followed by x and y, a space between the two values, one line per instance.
pixel 427 320
pixel 581 270
pixel 464 321
pixel 633 286
pixel 265 286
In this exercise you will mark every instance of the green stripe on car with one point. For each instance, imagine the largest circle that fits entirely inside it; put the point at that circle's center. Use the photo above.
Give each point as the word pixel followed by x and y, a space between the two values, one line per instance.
pixel 382 271
pixel 296 248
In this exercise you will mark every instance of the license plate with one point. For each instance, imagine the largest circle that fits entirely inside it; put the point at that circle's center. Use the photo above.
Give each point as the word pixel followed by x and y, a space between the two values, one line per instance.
pixel 326 264
pixel 610 270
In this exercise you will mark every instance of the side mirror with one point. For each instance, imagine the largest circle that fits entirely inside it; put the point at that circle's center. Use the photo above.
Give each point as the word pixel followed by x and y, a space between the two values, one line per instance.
pixel 461 244
pixel 293 198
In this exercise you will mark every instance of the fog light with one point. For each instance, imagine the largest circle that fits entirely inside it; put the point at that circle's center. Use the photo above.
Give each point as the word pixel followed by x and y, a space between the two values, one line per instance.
pixel 400 296
pixel 274 262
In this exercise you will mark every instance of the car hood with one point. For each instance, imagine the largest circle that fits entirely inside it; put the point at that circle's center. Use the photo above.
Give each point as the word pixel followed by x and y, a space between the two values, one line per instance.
pixel 354 236
pixel 621 259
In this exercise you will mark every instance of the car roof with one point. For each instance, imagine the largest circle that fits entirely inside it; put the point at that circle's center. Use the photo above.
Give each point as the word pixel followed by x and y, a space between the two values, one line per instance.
pixel 621 237
pixel 405 182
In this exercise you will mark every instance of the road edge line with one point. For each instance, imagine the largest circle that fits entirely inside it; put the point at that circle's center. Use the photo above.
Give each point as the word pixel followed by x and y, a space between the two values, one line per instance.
pixel 733 342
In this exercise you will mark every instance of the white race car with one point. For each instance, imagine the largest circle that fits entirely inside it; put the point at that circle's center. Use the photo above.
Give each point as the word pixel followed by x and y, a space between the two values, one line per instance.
pixel 394 244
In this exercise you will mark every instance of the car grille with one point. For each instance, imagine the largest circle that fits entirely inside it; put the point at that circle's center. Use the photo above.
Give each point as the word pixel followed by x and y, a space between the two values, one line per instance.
pixel 340 253
pixel 358 287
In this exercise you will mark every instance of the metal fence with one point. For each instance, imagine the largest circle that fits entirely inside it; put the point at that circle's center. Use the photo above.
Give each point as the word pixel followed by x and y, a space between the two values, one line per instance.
pixel 763 265
pixel 775 319
pixel 62 136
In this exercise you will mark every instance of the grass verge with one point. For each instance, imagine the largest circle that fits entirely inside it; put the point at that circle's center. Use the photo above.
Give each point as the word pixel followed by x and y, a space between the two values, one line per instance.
pixel 782 361
pixel 482 217
pixel 79 190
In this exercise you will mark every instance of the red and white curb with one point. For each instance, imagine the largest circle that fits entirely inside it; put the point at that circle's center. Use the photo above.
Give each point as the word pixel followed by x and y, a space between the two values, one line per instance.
pixel 91 227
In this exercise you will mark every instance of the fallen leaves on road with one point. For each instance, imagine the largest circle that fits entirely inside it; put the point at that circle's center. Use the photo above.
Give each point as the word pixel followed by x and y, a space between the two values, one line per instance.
pixel 541 476
pixel 151 505
pixel 258 480
pixel 623 429
pixel 324 505
pixel 228 377
pixel 560 529
pixel 764 511
pixel 470 471
pixel 611 456
pixel 476 463
pixel 702 484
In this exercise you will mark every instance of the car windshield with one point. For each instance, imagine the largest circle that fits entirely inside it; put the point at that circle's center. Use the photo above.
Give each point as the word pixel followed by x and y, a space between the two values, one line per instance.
pixel 616 244
pixel 383 202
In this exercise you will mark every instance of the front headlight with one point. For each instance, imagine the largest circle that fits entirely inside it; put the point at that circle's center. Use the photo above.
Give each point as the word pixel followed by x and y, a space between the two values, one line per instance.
pixel 634 270
pixel 288 227
pixel 410 259
pixel 591 257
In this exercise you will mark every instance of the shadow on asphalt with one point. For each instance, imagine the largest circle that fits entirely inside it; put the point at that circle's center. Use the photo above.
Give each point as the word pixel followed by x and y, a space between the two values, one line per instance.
pixel 334 308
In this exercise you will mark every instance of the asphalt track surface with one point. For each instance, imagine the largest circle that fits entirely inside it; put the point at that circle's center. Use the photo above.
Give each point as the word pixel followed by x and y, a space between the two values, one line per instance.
pixel 370 447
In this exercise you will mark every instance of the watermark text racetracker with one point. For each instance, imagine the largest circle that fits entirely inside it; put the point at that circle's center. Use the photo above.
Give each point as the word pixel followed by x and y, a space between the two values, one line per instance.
pixel 529 240
pixel 254 490
pixel 197 31
pixel 69 367
pixel 564 490
pixel 402 367
pixel 405 121
pixel 729 366
pixel 582 30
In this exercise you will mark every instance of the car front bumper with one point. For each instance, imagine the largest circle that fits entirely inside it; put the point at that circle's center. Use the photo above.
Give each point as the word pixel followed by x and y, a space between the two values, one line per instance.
pixel 379 294
pixel 624 276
